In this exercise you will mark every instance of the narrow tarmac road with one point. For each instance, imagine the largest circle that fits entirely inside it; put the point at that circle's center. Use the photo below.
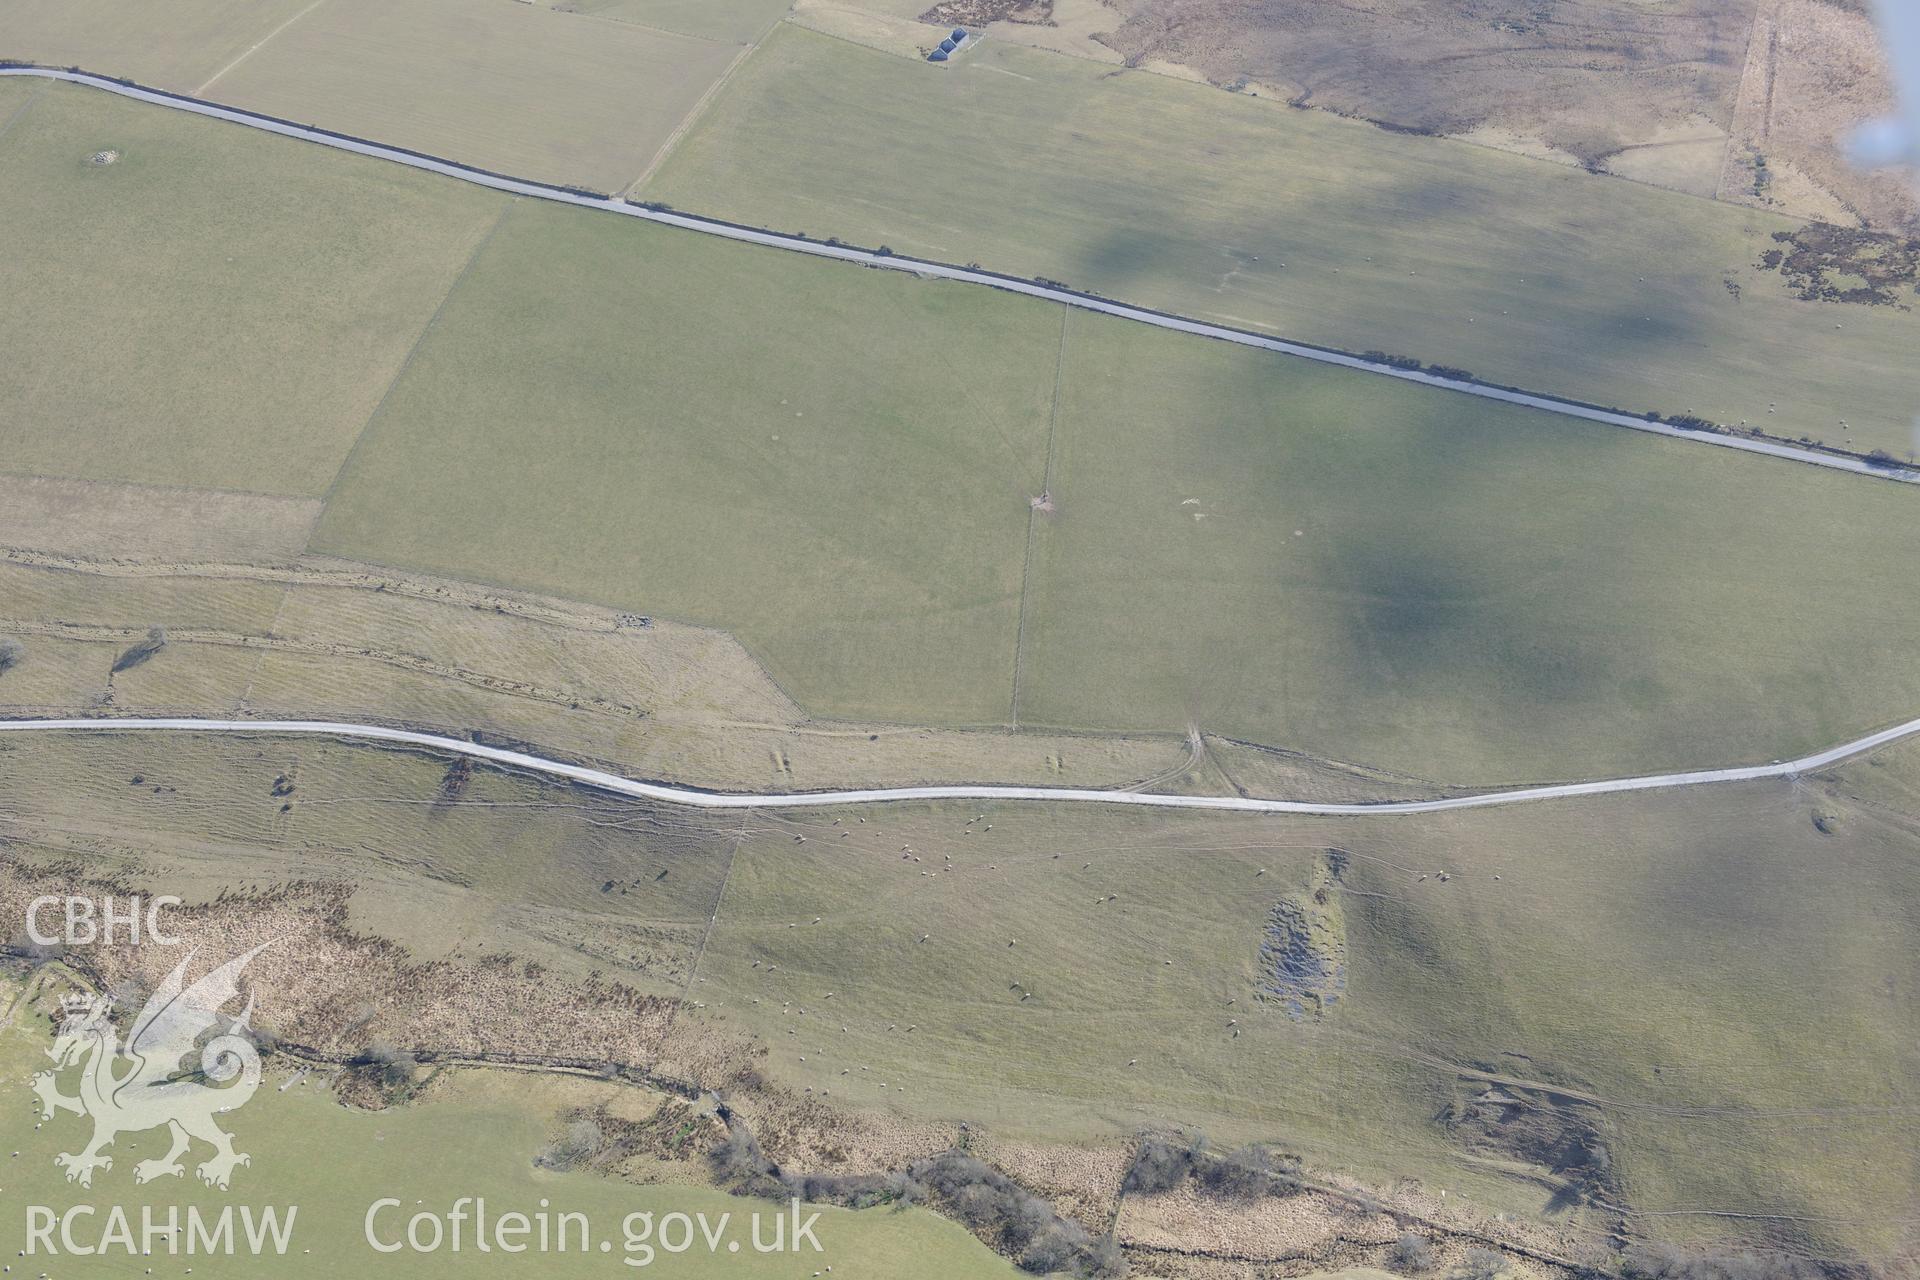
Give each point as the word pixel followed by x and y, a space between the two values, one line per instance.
pixel 613 782
pixel 946 271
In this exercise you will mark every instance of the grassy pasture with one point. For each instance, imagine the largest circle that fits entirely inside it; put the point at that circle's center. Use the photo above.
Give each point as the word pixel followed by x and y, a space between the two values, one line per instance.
pixel 475 1135
pixel 13 96
pixel 174 44
pixel 510 87
pixel 1734 985
pixel 160 522
pixel 834 464
pixel 1485 594
pixel 736 20
pixel 215 308
pixel 665 701
pixel 1434 584
pixel 1237 209
pixel 494 865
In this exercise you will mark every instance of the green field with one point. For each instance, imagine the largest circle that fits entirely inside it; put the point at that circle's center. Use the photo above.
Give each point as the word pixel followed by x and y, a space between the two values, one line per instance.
pixel 1439 585
pixel 14 95
pixel 518 88
pixel 1238 209
pixel 1735 988
pixel 1732 987
pixel 509 87
pixel 475 1136
pixel 174 44
pixel 832 463
pixel 212 308
pixel 507 868
pixel 738 20
pixel 836 465
pixel 1476 593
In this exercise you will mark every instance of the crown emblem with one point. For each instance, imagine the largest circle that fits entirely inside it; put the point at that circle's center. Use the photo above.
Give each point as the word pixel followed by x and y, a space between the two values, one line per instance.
pixel 73 1005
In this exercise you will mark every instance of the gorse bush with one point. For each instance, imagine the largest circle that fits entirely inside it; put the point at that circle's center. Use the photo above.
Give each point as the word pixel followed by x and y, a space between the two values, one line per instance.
pixel 1413 1251
pixel 1162 1164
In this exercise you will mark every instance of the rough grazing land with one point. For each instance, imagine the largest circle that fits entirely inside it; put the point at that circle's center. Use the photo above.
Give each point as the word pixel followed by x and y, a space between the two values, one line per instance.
pixel 735 20
pixel 348 641
pixel 842 468
pixel 1429 584
pixel 1241 210
pixel 833 463
pixel 1714 985
pixel 1656 954
pixel 214 307
pixel 174 44
pixel 1586 77
pixel 509 87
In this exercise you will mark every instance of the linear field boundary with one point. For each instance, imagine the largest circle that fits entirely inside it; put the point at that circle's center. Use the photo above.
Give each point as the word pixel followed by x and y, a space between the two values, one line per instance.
pixel 888 260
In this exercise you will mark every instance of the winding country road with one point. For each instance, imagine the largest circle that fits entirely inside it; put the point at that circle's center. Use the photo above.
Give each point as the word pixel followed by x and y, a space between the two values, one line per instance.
pixel 613 782
pixel 946 271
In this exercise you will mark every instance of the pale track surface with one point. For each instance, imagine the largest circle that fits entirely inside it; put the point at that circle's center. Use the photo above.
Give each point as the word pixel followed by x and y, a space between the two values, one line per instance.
pixel 601 780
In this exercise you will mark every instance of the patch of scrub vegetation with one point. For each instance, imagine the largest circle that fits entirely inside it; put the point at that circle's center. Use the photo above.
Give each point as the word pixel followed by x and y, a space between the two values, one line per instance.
pixel 1824 263
pixel 1303 958
pixel 1654 948
pixel 1000 1212
pixel 472 1134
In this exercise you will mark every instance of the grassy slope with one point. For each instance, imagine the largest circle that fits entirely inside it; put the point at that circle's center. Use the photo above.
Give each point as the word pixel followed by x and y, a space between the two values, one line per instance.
pixel 216 307
pixel 175 44
pixel 835 464
pixel 510 87
pixel 660 702
pixel 476 1135
pixel 1736 985
pixel 737 20
pixel 1439 585
pixel 13 96
pixel 1238 209
pixel 505 867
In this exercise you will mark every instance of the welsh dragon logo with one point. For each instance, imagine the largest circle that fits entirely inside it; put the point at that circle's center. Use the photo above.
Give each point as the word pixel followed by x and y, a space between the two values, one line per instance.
pixel 150 1083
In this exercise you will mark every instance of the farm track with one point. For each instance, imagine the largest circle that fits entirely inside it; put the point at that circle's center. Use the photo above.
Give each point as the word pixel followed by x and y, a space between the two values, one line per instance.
pixel 601 780
pixel 969 275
